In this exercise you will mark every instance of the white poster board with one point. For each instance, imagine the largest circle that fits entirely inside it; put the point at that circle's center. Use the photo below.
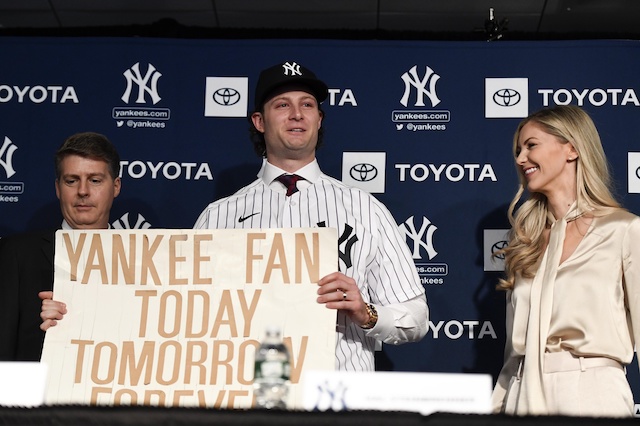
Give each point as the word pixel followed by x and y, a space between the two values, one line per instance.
pixel 174 317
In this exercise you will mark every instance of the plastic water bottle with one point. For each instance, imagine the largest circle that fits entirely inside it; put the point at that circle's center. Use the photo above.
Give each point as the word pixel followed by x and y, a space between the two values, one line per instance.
pixel 271 373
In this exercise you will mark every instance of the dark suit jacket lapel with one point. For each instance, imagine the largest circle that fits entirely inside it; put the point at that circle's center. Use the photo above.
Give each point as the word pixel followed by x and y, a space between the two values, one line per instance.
pixel 48 239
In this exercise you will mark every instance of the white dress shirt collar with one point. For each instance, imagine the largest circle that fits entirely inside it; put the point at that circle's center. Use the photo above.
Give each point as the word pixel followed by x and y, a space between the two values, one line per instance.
pixel 67 227
pixel 311 173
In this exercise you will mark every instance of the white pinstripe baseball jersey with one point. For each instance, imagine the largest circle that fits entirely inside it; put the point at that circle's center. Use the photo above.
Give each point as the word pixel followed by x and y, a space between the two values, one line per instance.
pixel 371 250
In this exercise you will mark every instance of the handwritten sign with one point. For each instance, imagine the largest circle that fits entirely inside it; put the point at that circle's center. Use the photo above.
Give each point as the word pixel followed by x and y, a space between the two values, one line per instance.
pixel 174 317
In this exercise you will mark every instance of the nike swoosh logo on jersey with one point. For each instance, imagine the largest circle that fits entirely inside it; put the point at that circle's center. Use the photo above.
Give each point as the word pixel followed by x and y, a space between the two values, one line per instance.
pixel 243 218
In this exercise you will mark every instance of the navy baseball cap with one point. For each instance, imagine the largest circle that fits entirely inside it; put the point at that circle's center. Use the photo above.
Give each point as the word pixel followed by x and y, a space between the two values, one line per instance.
pixel 288 73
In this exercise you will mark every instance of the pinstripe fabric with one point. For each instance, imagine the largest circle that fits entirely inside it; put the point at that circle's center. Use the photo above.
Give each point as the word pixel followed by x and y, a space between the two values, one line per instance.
pixel 372 251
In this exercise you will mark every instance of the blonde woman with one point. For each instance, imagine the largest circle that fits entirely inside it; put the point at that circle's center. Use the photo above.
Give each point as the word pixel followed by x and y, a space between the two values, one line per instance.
pixel 572 276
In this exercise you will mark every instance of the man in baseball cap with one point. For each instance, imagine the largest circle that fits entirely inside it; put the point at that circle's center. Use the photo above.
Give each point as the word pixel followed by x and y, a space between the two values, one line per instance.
pixel 288 73
pixel 282 78
pixel 377 291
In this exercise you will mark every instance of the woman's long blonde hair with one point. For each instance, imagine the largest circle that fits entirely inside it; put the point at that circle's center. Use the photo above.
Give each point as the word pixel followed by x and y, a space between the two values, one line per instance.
pixel 570 124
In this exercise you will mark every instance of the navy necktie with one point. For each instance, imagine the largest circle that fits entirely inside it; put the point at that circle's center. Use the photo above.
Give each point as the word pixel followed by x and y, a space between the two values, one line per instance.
pixel 290 182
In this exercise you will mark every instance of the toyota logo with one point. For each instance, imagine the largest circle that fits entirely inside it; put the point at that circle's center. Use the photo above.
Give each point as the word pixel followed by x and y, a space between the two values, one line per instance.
pixel 506 97
pixel 226 96
pixel 363 172
pixel 500 245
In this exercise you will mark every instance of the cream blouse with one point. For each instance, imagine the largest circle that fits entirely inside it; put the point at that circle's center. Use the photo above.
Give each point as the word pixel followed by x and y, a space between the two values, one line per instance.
pixel 594 300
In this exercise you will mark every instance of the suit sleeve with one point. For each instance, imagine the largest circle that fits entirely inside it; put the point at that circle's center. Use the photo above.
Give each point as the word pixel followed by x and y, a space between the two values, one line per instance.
pixel 9 296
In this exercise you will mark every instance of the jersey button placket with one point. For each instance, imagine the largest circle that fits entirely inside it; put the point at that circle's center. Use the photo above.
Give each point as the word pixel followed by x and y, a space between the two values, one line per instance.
pixel 286 212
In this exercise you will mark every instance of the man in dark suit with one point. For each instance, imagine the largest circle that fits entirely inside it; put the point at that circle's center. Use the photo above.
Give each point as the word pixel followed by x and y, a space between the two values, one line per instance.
pixel 87 182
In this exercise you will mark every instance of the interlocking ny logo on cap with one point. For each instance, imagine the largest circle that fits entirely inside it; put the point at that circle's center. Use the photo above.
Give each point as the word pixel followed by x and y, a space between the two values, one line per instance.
pixel 293 68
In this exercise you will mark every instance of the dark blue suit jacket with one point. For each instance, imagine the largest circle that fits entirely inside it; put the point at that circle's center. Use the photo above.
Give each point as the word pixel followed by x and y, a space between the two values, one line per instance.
pixel 26 268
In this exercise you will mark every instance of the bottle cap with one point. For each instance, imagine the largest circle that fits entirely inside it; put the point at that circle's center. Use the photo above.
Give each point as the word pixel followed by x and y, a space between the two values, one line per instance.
pixel 273 329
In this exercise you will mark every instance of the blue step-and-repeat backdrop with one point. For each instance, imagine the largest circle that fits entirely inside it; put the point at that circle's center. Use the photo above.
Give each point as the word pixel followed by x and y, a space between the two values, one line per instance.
pixel 425 126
